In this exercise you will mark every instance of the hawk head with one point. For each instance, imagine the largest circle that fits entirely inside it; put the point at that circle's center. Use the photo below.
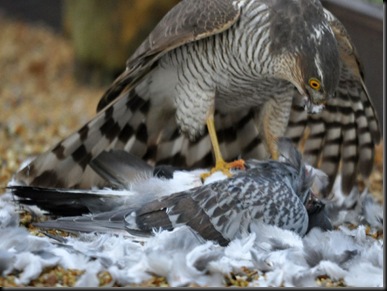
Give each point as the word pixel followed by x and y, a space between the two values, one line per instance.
pixel 304 40
pixel 318 64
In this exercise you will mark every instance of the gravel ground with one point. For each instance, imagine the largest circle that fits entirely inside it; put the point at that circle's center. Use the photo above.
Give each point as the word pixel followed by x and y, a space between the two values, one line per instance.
pixel 41 103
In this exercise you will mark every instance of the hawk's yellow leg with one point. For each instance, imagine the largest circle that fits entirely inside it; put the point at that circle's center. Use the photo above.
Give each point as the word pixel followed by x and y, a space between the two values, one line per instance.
pixel 220 164
pixel 270 138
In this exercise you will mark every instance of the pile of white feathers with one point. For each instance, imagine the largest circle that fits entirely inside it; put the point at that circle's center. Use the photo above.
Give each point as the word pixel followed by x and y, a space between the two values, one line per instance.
pixel 281 257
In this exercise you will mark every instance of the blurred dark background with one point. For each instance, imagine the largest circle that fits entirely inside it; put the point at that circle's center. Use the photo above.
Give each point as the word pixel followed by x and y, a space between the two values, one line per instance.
pixel 103 33
pixel 47 12
pixel 90 23
pixel 364 23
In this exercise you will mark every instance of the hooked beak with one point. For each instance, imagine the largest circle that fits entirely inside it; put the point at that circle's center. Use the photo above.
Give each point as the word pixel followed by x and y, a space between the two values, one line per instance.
pixel 306 101
pixel 310 107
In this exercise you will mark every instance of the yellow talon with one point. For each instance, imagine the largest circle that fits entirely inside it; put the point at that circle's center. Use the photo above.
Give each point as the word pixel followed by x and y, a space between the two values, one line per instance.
pixel 220 164
pixel 225 168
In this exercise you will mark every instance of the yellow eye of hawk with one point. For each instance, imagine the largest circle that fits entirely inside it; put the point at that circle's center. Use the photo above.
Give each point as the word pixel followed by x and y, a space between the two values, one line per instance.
pixel 314 84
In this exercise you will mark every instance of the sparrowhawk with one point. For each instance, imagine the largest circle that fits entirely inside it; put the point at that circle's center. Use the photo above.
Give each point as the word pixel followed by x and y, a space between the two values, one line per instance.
pixel 252 71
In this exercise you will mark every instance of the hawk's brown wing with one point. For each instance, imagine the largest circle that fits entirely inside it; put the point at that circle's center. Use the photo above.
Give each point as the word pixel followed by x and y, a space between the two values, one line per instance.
pixel 186 22
pixel 67 163
pixel 346 132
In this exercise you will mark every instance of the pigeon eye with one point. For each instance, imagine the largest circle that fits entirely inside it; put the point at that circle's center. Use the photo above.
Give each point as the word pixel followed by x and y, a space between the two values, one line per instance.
pixel 314 84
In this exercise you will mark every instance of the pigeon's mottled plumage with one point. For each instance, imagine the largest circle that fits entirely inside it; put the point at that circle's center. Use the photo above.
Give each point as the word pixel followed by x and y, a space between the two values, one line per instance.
pixel 273 192
pixel 250 67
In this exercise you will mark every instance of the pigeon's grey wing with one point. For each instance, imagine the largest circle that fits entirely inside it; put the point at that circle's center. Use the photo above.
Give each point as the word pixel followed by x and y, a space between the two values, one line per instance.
pixel 186 22
pixel 106 222
pixel 207 209
pixel 120 168
pixel 347 130
pixel 67 202
pixel 169 212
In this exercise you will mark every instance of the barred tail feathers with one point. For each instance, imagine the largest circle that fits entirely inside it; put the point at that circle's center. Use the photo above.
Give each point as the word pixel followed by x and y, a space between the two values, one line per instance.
pixel 342 137
pixel 66 164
